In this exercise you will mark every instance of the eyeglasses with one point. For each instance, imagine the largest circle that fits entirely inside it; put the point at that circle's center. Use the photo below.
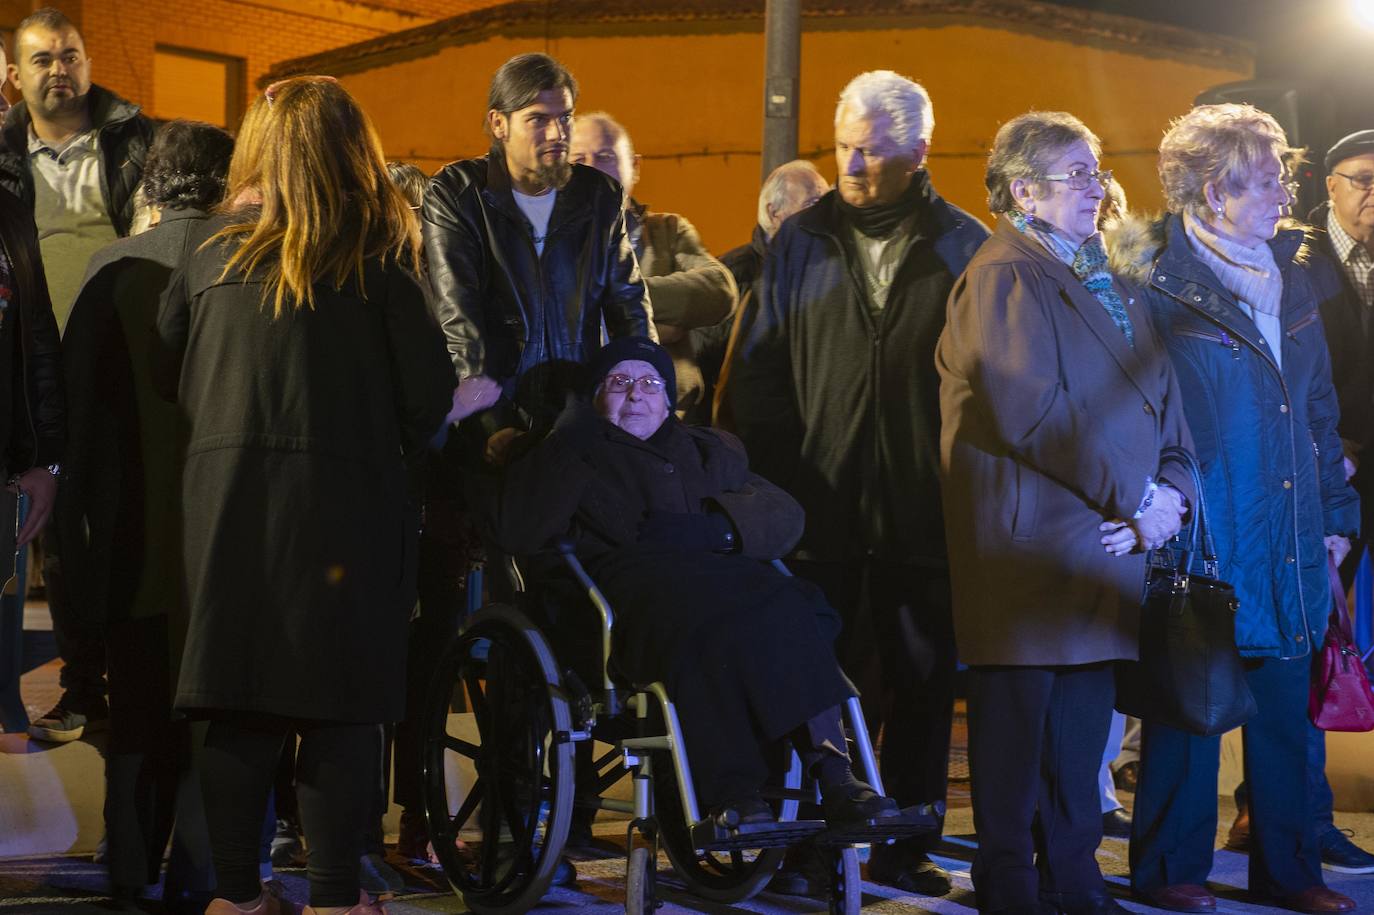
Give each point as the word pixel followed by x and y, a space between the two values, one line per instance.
pixel 1363 181
pixel 649 385
pixel 270 93
pixel 1080 179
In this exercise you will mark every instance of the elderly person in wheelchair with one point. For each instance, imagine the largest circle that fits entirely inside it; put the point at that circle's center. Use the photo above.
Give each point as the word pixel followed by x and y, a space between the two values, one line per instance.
pixel 677 532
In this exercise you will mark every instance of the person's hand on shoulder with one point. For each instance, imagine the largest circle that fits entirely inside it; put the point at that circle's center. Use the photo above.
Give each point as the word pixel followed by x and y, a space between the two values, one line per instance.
pixel 473 395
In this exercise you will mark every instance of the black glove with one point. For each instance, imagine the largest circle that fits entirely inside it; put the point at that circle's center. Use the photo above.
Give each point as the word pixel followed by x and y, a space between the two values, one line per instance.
pixel 711 532
pixel 579 425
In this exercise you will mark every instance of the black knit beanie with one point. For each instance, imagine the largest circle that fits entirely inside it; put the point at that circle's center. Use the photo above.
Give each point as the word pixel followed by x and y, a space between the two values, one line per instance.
pixel 622 349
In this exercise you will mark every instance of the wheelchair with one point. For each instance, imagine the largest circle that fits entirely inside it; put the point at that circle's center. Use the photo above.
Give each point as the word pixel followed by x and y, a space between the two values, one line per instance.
pixel 500 789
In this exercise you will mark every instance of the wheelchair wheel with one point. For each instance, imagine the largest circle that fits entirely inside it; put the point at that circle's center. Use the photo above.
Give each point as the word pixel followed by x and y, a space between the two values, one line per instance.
pixel 639 881
pixel 499 778
pixel 846 886
pixel 720 876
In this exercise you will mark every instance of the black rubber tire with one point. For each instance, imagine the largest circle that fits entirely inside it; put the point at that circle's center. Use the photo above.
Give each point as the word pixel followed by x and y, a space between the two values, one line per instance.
pixel 522 756
pixel 640 870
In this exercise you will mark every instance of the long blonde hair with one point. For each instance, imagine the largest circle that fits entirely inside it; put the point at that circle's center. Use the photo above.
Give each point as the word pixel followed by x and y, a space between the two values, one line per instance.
pixel 308 194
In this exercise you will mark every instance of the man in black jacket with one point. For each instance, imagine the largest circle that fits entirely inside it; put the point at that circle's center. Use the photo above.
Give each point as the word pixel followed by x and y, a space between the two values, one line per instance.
pixel 1344 231
pixel 528 254
pixel 73 153
pixel 32 414
pixel 836 396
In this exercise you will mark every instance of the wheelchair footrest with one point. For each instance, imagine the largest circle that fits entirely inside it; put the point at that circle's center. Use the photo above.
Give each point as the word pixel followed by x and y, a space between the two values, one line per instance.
pixel 919 820
pixel 710 836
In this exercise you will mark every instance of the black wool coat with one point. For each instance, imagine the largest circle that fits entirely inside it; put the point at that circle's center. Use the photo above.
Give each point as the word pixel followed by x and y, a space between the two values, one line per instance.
pixel 117 521
pixel 840 407
pixel 594 484
pixel 299 545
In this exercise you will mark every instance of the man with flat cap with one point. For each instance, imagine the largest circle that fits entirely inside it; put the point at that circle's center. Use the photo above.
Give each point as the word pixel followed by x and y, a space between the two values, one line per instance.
pixel 1343 227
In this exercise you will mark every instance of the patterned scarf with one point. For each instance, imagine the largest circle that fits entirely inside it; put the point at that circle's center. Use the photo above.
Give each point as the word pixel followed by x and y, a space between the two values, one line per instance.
pixel 1249 274
pixel 1088 262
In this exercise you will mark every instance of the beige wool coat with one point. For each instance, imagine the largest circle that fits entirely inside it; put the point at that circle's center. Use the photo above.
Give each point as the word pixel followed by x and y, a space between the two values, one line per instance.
pixel 1051 424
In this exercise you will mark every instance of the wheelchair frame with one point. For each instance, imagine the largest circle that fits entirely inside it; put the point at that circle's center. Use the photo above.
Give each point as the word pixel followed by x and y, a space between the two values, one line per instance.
pixel 694 835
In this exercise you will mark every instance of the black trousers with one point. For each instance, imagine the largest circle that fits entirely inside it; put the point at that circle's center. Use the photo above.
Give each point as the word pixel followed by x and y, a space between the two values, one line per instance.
pixel 149 780
pixel 897 646
pixel 337 770
pixel 1174 823
pixel 447 546
pixel 80 636
pixel 1035 742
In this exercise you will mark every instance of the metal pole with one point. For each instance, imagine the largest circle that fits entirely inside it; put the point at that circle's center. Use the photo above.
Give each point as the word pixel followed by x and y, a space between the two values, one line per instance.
pixel 782 82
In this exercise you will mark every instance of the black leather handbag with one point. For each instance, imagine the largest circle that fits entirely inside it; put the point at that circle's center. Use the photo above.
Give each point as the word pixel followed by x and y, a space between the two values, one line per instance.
pixel 1190 675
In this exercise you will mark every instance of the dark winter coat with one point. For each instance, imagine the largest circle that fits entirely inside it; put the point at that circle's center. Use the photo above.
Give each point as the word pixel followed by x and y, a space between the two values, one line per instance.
pixel 506 309
pixel 1350 338
pixel 1052 425
pixel 35 435
pixel 118 519
pixel 712 344
pixel 595 484
pixel 299 546
pixel 841 408
pixel 1266 438
pixel 123 135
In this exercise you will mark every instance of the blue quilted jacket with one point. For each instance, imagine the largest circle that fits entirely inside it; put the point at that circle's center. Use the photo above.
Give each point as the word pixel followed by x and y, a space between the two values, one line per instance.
pixel 1266 438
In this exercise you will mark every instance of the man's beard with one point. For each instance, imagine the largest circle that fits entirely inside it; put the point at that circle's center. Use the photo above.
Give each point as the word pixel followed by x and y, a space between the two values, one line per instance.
pixel 54 106
pixel 554 174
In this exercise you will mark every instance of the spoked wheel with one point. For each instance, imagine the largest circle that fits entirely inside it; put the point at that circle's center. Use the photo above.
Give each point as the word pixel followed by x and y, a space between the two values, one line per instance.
pixel 720 876
pixel 846 886
pixel 640 871
pixel 498 778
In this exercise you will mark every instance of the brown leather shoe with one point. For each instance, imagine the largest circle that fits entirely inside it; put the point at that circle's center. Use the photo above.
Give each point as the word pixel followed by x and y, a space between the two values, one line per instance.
pixel 1182 897
pixel 1318 899
pixel 1238 838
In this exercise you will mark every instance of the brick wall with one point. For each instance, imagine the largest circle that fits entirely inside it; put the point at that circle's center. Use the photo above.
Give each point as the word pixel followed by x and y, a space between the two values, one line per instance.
pixel 121 35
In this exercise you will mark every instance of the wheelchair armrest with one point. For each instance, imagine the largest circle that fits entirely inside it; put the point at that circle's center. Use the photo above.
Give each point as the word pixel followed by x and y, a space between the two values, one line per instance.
pixel 599 601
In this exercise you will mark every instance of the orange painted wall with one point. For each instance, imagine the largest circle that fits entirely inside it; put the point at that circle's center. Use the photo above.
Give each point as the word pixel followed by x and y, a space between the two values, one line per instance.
pixel 691 99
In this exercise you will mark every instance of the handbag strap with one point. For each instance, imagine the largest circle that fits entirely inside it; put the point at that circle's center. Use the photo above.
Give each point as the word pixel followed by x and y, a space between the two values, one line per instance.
pixel 1340 611
pixel 1199 534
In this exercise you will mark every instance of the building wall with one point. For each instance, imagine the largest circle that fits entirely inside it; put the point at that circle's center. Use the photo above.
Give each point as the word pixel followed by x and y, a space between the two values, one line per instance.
pixel 121 35
pixel 691 97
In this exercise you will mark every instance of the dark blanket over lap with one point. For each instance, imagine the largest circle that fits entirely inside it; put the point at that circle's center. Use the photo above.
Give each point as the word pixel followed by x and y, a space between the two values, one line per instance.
pixel 674 607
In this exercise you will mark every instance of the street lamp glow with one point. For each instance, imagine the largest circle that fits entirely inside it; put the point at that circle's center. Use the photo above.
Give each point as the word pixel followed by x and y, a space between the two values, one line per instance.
pixel 1363 12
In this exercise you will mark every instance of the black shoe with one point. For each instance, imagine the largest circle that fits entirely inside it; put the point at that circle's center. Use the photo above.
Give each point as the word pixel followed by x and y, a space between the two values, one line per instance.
pixel 907 871
pixel 748 810
pixel 853 803
pixel 1116 824
pixel 805 871
pixel 1343 856
pixel 70 718
pixel 1099 903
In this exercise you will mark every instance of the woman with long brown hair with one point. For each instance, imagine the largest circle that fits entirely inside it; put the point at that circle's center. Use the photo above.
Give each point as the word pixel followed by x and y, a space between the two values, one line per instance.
pixel 297 338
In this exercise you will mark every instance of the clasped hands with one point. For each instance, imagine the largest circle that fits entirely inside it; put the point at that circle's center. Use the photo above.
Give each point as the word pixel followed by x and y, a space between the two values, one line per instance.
pixel 1157 524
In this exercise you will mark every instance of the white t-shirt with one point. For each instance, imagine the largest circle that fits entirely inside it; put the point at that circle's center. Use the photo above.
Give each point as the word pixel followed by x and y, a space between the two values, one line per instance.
pixel 537 210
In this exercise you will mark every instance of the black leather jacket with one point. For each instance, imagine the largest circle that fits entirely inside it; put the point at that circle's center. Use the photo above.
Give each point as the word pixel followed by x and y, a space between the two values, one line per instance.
pixel 506 309
pixel 38 418
pixel 124 137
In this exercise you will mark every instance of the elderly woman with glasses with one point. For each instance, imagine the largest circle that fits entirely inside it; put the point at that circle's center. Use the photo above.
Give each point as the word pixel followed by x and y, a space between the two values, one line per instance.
pixel 677 532
pixel 1057 402
pixel 1237 304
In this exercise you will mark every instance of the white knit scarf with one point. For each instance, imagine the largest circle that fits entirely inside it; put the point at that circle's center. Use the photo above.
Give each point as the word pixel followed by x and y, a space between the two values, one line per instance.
pixel 1250 274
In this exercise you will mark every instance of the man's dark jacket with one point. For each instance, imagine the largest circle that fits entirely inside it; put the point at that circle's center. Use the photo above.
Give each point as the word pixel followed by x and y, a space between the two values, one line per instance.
pixel 712 344
pixel 840 407
pixel 506 309
pixel 1349 336
pixel 123 135
pixel 37 432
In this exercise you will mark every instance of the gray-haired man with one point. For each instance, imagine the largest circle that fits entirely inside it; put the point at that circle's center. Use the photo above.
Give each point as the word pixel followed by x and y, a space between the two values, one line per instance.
pixel 835 393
